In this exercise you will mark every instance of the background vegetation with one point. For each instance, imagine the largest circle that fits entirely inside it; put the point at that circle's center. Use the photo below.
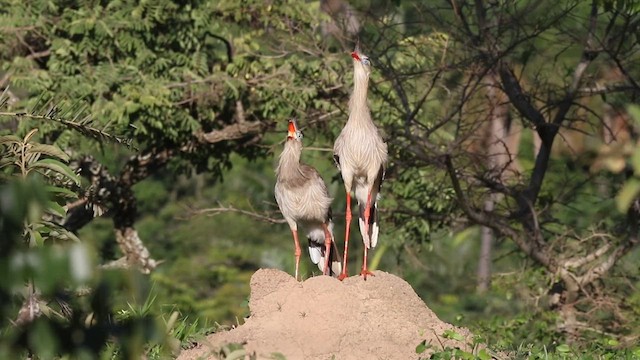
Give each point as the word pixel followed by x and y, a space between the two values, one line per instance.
pixel 141 137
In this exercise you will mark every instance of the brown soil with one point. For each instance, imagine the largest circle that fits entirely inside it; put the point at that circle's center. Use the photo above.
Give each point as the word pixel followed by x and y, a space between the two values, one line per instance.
pixel 323 318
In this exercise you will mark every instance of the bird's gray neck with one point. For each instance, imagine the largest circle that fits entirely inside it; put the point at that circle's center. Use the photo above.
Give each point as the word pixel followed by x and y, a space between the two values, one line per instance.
pixel 289 163
pixel 358 102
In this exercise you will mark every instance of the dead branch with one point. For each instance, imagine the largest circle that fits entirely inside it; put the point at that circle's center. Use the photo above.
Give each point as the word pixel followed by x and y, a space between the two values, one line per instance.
pixel 578 262
pixel 229 208
pixel 597 271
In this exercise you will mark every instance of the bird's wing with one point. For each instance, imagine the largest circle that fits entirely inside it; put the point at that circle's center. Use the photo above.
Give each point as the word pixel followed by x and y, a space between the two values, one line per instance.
pixel 337 148
pixel 336 160
pixel 277 192
pixel 380 178
pixel 313 177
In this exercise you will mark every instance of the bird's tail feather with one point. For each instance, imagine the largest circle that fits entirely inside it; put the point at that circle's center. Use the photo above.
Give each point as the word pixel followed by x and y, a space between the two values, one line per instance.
pixel 317 251
pixel 371 238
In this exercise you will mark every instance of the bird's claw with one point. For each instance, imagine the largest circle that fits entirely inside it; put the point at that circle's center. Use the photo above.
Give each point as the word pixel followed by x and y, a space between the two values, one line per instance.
pixel 366 272
pixel 342 276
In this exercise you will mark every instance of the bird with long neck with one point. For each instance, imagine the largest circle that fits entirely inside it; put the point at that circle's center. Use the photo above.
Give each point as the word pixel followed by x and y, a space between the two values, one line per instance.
pixel 361 155
pixel 303 199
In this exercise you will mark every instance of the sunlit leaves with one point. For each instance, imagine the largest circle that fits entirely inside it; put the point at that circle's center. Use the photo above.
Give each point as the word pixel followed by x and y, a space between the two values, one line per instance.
pixel 24 159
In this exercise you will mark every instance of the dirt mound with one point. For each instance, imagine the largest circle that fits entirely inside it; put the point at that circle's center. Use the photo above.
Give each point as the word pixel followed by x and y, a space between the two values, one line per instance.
pixel 323 318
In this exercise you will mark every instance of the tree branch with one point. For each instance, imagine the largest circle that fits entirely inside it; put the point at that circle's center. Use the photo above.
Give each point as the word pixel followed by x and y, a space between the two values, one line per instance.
pixel 588 55
pixel 528 246
pixel 578 262
pixel 229 208
pixel 517 97
pixel 232 132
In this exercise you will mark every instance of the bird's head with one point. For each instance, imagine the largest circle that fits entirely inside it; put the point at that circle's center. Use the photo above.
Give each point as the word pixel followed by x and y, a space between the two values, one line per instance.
pixel 294 132
pixel 360 59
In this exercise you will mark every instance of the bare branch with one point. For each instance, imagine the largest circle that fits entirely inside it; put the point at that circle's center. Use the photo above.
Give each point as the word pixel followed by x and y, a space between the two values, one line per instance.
pixel 605 89
pixel 532 248
pixel 517 96
pixel 597 271
pixel 588 55
pixel 577 262
pixel 229 208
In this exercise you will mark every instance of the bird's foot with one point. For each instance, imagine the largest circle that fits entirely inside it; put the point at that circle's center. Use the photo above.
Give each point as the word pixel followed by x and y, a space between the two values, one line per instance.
pixel 342 276
pixel 366 272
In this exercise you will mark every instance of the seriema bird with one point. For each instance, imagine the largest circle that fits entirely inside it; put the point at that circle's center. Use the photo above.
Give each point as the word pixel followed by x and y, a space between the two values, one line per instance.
pixel 303 199
pixel 361 155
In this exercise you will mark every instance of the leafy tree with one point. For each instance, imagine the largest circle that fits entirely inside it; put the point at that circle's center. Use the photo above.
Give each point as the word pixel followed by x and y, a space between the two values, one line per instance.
pixel 500 68
pixel 67 306
pixel 183 80
pixel 190 84
pixel 481 103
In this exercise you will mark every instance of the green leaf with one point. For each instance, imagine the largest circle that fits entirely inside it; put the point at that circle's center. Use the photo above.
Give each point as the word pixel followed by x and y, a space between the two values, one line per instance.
pixel 237 354
pixel 422 347
pixel 57 232
pixel 49 150
pixel 564 348
pixel 37 237
pixel 148 100
pixel 278 356
pixel 10 139
pixel 58 167
pixel 628 194
pixel 61 191
pixel 483 355
pixel 450 334
pixel 55 209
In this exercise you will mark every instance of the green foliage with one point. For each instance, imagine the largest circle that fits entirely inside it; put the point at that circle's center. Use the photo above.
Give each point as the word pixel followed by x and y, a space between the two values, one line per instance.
pixel 26 159
pixel 67 304
pixel 603 349
pixel 446 352
pixel 162 72
pixel 74 324
pixel 142 79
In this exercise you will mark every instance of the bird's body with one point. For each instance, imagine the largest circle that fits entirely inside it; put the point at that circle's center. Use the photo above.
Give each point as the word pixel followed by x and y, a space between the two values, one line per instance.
pixel 361 155
pixel 304 201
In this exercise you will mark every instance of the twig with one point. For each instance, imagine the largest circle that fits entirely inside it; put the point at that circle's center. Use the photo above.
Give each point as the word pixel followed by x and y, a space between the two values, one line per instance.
pixel 229 208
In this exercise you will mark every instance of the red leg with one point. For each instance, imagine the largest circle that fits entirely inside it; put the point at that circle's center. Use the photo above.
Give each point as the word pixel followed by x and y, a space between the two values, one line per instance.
pixel 298 251
pixel 346 238
pixel 327 249
pixel 367 215
pixel 364 271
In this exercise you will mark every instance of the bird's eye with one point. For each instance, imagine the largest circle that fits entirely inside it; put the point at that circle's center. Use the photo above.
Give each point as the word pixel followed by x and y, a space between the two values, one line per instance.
pixel 365 61
pixel 300 136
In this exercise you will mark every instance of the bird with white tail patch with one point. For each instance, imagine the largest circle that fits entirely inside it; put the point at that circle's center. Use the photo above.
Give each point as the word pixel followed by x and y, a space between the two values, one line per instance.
pixel 361 155
pixel 304 200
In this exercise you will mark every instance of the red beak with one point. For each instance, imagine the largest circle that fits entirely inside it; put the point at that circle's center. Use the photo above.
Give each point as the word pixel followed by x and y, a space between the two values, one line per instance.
pixel 355 55
pixel 292 129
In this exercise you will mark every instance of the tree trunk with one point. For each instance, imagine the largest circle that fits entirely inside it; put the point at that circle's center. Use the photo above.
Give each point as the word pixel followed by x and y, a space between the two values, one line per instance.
pixel 486 247
pixel 501 147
